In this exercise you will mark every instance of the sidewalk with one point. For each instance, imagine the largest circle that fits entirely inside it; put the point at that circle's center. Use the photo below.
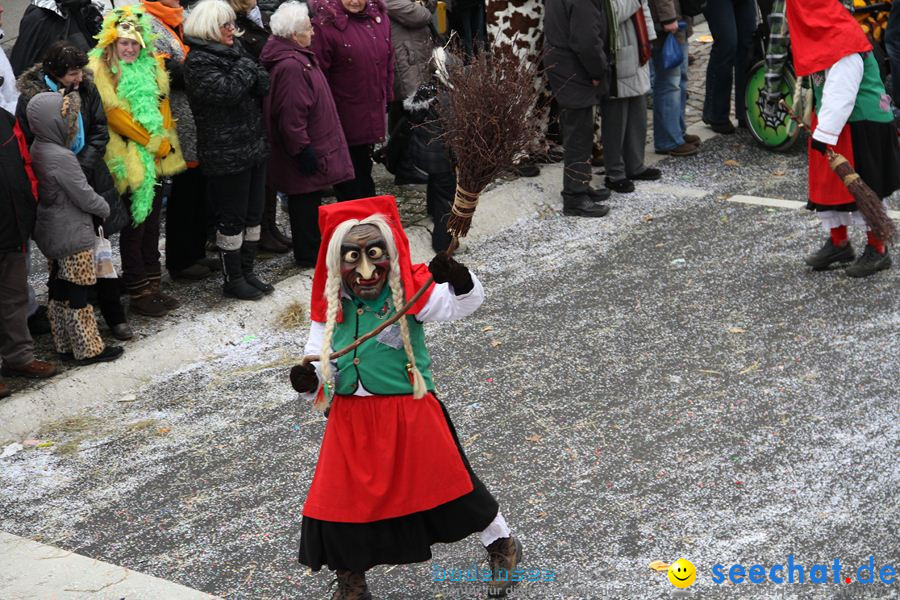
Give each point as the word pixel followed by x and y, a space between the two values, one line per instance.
pixel 207 322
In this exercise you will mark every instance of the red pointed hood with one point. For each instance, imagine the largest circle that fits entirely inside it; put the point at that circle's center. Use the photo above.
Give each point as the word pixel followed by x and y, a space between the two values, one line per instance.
pixel 822 32
pixel 332 215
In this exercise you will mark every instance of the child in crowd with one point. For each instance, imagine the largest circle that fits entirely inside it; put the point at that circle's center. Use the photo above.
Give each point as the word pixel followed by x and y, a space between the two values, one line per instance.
pixel 65 230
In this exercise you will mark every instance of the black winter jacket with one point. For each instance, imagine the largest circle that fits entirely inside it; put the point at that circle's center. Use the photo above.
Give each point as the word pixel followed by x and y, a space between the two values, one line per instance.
pixel 18 205
pixel 44 24
pixel 225 88
pixel 254 38
pixel 575 35
pixel 428 151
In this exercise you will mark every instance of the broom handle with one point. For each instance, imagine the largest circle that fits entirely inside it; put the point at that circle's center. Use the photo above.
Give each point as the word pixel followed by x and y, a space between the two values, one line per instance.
pixel 454 244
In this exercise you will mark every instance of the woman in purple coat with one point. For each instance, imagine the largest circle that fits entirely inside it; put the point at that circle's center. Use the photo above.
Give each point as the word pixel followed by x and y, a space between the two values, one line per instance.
pixel 309 152
pixel 353 44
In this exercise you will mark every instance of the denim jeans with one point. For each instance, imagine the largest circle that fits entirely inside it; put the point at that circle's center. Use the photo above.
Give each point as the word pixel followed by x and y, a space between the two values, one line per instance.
pixel 669 101
pixel 731 23
pixel 892 41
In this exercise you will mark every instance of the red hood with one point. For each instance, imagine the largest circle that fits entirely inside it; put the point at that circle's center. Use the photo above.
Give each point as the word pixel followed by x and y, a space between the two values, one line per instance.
pixel 822 32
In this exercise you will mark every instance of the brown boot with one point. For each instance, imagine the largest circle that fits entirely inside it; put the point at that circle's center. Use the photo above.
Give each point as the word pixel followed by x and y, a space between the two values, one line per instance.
pixel 145 302
pixel 351 586
pixel 268 241
pixel 166 300
pixel 503 557
pixel 4 391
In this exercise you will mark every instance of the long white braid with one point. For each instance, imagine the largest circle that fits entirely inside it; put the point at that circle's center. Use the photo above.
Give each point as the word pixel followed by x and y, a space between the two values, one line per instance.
pixel 396 284
pixel 333 297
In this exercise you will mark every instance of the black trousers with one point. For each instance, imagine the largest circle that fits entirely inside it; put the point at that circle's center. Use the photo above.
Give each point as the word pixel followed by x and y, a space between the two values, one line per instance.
pixel 577 126
pixel 186 220
pixel 239 199
pixel 439 200
pixel 140 247
pixel 361 186
pixel 304 212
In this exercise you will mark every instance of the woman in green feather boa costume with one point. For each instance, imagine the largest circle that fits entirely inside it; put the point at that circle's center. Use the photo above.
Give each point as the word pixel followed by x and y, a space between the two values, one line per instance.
pixel 143 146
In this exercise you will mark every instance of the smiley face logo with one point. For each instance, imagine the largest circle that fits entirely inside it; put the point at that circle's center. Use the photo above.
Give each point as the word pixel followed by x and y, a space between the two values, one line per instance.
pixel 682 573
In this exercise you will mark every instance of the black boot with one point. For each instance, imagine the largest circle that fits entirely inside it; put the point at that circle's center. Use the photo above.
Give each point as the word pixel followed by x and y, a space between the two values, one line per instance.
pixel 351 586
pixel 268 241
pixel 583 206
pixel 235 284
pixel 829 254
pixel 248 257
pixel 869 263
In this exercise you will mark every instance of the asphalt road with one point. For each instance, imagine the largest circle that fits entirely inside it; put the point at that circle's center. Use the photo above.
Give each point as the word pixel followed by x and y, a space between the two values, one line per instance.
pixel 669 381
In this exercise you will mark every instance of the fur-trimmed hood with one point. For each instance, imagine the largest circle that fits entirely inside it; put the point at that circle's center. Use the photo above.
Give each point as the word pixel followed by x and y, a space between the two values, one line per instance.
pixel 31 82
pixel 54 117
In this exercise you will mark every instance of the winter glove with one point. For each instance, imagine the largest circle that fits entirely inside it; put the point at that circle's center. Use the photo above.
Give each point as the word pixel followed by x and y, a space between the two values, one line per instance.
pixel 818 146
pixel 304 378
pixel 307 161
pixel 447 270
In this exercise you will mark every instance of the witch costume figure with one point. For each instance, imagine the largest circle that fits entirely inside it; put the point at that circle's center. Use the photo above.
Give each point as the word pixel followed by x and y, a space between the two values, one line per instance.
pixel 853 117
pixel 392 478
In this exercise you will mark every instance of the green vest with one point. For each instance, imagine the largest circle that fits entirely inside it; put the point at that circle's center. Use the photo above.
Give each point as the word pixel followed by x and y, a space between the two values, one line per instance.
pixel 868 105
pixel 379 364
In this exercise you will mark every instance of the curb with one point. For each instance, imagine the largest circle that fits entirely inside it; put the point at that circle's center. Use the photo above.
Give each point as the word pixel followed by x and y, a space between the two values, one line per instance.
pixel 93 387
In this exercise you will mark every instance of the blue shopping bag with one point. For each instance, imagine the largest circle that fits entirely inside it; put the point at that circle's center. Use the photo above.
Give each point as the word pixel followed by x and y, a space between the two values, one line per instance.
pixel 672 55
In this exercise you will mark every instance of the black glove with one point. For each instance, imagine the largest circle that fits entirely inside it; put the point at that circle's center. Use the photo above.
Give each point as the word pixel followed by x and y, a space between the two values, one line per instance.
pixel 818 146
pixel 304 378
pixel 447 270
pixel 307 161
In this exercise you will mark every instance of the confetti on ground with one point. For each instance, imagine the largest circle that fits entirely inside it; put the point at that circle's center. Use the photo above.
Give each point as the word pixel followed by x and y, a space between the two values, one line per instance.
pixel 658 565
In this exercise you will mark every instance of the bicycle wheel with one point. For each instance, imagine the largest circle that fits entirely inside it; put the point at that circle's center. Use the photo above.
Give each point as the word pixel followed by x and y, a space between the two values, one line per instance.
pixel 777 132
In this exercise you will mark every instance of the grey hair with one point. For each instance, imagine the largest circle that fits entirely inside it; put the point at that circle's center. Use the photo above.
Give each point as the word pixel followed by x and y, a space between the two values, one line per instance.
pixel 333 297
pixel 206 19
pixel 290 18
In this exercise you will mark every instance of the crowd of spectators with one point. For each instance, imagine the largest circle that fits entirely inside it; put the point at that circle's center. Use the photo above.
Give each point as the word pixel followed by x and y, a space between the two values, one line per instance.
pixel 219 107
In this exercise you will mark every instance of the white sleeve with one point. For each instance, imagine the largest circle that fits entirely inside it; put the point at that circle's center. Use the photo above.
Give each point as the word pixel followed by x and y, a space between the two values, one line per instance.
pixel 842 82
pixel 445 305
pixel 314 346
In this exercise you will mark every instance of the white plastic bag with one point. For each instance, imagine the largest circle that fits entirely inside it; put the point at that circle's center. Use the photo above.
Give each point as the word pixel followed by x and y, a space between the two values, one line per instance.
pixel 103 257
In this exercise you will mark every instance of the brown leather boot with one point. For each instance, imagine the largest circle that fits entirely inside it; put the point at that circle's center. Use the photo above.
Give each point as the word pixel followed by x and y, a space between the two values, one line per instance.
pixel 503 557
pixel 166 300
pixel 351 586
pixel 145 302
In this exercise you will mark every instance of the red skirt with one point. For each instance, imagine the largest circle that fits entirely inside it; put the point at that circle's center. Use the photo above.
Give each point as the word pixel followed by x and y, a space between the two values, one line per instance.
pixel 826 189
pixel 384 457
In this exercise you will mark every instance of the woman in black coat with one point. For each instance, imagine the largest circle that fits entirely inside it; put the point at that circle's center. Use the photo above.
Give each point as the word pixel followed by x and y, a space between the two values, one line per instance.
pixel 225 88
pixel 63 67
pixel 253 38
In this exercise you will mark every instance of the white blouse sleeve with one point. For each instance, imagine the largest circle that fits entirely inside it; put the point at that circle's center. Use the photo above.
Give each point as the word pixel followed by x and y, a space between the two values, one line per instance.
pixel 314 346
pixel 445 305
pixel 838 98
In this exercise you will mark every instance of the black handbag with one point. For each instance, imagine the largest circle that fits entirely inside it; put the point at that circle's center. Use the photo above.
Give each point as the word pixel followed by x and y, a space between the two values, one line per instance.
pixel 102 181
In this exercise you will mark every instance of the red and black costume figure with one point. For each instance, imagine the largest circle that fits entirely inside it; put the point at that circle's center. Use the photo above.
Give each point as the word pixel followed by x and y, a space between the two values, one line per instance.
pixel 853 116
pixel 392 478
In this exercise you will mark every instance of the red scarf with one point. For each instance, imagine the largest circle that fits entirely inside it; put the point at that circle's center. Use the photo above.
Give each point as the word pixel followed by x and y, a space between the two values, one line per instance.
pixel 822 32
pixel 332 215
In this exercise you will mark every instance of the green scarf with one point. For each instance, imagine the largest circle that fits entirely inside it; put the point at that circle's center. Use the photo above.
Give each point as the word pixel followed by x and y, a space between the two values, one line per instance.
pixel 138 86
